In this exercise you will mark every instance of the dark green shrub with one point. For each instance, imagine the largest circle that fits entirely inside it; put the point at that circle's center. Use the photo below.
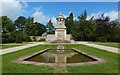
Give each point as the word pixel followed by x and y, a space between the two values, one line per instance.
pixel 18 39
pixel 5 38
pixel 26 38
pixel 11 39
pixel 42 39
pixel 34 39
pixel 15 33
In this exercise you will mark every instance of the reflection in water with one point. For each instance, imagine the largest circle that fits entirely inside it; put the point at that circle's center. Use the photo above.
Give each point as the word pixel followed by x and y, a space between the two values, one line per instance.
pixel 50 55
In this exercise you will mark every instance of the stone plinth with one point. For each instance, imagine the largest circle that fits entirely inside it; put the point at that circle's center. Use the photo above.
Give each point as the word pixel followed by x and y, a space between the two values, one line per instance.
pixel 60 29
pixel 60 58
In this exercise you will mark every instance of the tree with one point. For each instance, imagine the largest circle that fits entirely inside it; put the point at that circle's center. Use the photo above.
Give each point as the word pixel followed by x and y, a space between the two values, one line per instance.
pixel 28 24
pixel 20 23
pixel 114 31
pixel 103 28
pixel 7 24
pixel 84 29
pixel 83 24
pixel 69 23
pixel 50 27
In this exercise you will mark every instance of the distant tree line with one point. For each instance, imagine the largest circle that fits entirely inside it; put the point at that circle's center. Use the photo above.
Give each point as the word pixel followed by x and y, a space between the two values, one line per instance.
pixel 20 29
pixel 100 29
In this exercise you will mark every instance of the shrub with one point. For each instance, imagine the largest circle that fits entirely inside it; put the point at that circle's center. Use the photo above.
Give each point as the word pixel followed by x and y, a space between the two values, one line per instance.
pixel 42 39
pixel 5 38
pixel 34 39
pixel 26 38
pixel 11 39
pixel 18 39
pixel 15 33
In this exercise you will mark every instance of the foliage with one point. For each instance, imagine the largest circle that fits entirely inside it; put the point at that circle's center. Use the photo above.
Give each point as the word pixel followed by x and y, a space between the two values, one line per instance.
pixel 5 38
pixel 42 39
pixel 18 39
pixel 35 29
pixel 84 29
pixel 50 27
pixel 7 24
pixel 100 29
pixel 69 23
pixel 107 30
pixel 15 33
pixel 26 38
pixel 20 23
pixel 34 39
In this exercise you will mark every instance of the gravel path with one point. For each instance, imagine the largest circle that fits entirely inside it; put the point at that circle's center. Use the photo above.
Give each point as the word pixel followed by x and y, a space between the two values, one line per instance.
pixel 107 48
pixel 13 49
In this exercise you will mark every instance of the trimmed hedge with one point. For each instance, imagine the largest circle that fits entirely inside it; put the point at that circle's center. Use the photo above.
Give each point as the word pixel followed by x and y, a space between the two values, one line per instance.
pixel 42 39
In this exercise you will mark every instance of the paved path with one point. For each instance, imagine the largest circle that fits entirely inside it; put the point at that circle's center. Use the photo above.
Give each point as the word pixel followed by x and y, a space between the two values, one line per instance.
pixel 13 49
pixel 107 48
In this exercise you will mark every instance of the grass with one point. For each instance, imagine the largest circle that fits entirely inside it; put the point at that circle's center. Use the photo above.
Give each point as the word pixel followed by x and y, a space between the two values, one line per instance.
pixel 111 44
pixel 12 67
pixel 9 45
pixel 111 65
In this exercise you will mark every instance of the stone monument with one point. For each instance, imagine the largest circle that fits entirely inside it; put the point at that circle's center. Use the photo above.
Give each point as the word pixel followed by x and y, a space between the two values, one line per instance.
pixel 60 29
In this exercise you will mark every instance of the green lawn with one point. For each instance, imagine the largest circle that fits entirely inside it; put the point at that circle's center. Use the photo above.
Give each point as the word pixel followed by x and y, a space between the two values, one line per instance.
pixel 4 46
pixel 111 65
pixel 111 44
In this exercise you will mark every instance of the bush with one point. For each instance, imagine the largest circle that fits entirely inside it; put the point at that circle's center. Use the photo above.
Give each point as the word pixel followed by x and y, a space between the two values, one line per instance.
pixel 11 39
pixel 34 39
pixel 42 39
pixel 26 38
pixel 18 39
pixel 5 38
pixel 15 33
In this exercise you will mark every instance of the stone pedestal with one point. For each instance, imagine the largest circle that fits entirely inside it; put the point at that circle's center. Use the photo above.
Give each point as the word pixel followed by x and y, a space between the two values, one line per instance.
pixel 60 34
pixel 60 58
pixel 60 29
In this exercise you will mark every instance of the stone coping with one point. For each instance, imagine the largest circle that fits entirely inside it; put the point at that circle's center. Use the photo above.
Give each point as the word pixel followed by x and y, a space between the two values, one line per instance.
pixel 22 60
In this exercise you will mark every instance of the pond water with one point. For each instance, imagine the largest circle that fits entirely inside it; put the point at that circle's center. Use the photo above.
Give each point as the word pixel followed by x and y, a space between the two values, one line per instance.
pixel 70 56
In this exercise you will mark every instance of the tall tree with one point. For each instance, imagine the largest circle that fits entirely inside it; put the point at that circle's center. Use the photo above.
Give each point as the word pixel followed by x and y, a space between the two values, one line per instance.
pixel 69 23
pixel 7 24
pixel 20 23
pixel 28 24
pixel 103 28
pixel 50 26
pixel 84 29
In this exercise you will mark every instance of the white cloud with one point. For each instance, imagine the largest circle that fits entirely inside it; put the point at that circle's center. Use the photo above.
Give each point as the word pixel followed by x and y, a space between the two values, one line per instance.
pixel 53 21
pixel 40 17
pixel 96 15
pixel 112 14
pixel 12 8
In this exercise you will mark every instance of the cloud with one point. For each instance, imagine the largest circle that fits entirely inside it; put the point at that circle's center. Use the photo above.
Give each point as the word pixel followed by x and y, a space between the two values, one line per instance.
pixel 40 17
pixel 112 14
pixel 53 20
pixel 96 15
pixel 12 8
